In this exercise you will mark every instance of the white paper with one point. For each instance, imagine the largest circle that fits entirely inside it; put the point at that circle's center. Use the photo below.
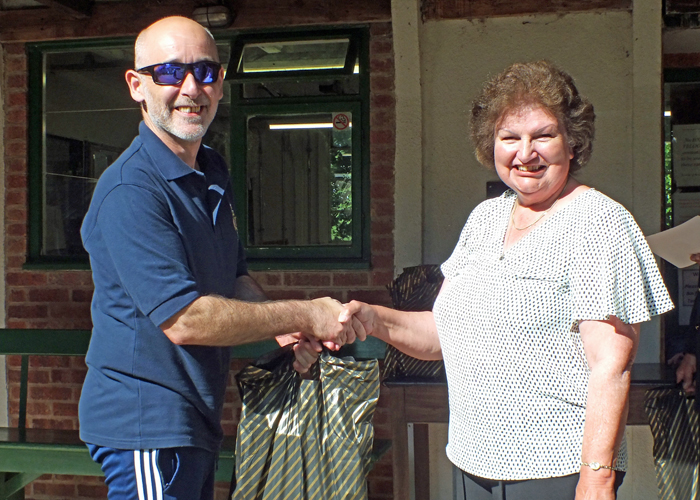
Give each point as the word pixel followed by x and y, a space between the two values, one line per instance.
pixel 676 244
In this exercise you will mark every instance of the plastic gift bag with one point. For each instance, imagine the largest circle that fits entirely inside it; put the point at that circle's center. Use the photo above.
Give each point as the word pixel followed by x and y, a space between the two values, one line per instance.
pixel 675 426
pixel 415 289
pixel 305 439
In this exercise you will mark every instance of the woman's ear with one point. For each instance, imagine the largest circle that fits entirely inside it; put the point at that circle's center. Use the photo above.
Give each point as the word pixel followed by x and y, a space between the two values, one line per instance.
pixel 133 80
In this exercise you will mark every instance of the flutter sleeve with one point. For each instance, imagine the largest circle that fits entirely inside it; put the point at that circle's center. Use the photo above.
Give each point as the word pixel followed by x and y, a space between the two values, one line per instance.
pixel 614 272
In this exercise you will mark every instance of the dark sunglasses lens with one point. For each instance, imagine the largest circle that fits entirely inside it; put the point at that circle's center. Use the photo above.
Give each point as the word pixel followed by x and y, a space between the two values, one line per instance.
pixel 168 74
pixel 205 72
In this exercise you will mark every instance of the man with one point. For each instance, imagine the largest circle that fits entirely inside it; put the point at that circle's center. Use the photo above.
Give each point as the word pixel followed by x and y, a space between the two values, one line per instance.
pixel 172 291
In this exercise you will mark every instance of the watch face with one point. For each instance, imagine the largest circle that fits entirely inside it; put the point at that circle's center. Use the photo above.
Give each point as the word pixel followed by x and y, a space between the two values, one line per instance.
pixel 595 465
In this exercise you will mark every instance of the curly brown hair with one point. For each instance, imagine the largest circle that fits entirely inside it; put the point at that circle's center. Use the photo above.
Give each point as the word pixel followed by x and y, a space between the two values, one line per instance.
pixel 537 83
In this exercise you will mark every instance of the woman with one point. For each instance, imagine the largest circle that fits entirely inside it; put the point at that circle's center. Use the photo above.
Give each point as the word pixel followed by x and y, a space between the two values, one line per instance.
pixel 538 318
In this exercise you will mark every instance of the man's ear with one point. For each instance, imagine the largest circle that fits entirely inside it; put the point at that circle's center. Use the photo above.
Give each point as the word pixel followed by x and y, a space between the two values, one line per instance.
pixel 133 80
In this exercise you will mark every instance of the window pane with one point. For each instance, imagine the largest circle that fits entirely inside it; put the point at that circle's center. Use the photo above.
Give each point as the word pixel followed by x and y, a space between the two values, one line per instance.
pixel 299 55
pixel 89 118
pixel 299 173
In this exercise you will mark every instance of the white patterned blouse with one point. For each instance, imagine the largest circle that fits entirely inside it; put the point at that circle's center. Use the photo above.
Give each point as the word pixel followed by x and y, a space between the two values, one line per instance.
pixel 508 326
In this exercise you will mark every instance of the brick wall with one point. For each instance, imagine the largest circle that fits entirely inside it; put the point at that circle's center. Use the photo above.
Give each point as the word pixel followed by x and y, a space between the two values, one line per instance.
pixel 61 299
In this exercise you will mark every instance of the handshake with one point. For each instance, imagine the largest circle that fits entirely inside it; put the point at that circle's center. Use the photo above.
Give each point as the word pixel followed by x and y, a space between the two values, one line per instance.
pixel 330 324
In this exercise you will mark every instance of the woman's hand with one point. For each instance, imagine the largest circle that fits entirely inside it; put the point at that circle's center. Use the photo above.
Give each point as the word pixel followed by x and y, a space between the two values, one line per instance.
pixel 596 485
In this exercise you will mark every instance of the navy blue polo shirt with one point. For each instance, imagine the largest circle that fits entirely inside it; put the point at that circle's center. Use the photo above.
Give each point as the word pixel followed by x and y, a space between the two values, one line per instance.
pixel 159 235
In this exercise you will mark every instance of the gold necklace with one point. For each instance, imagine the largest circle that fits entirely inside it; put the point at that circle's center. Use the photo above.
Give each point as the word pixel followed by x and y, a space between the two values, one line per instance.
pixel 512 213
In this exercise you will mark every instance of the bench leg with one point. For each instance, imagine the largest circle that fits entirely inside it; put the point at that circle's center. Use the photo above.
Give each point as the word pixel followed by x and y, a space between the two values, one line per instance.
pixel 12 484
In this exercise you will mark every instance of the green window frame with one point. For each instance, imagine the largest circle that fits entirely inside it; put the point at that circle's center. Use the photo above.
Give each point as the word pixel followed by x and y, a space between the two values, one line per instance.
pixel 237 109
pixel 244 108
pixel 37 146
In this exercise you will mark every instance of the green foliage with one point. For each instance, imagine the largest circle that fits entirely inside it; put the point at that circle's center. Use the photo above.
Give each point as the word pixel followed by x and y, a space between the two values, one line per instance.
pixel 341 197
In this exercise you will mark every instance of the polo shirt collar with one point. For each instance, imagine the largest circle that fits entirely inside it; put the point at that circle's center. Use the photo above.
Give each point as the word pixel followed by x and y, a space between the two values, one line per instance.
pixel 169 164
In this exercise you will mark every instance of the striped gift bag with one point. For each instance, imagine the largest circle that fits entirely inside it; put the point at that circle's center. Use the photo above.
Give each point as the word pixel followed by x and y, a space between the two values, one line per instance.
pixel 303 439
pixel 415 289
pixel 675 425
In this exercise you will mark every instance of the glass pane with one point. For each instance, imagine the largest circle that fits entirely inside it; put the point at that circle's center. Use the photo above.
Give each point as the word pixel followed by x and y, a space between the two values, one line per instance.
pixel 299 55
pixel 89 118
pixel 271 89
pixel 299 173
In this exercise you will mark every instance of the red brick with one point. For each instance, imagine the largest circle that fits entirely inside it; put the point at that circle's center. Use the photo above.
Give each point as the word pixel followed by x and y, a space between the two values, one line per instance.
pixel 38 376
pixel 381 171
pixel 71 278
pixel 92 491
pixel 381 45
pixel 379 486
pixel 380 29
pixel 381 64
pixel 382 243
pixel 350 279
pixel 27 311
pixel 382 189
pixel 14 49
pixel 380 261
pixel 267 279
pixel 16 197
pixel 15 65
pixel 49 361
pixel 380 297
pixel 16 116
pixel 50 393
pixel 16 99
pixel 17 296
pixel 382 227
pixel 16 229
pixel 16 181
pixel 15 214
pixel 65 409
pixel 381 83
pixel 55 489
pixel 48 295
pixel 382 119
pixel 382 278
pixel 382 208
pixel 15 261
pixel 38 408
pixel 17 165
pixel 81 295
pixel 307 279
pixel 71 310
pixel 67 376
pixel 382 101
pixel 16 148
pixel 15 132
pixel 334 294
pixel 17 81
pixel 286 294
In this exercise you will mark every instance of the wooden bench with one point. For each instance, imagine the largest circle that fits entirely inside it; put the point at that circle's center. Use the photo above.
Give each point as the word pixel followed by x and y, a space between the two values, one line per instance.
pixel 26 454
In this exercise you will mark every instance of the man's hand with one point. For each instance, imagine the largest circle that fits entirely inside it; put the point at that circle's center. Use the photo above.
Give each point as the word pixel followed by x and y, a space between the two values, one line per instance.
pixel 306 353
pixel 325 325
pixel 685 373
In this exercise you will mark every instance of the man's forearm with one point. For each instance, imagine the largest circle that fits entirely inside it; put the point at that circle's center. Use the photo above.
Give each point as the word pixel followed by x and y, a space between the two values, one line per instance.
pixel 217 321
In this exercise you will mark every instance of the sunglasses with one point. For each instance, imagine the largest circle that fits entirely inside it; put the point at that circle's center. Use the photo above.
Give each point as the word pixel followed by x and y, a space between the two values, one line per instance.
pixel 174 73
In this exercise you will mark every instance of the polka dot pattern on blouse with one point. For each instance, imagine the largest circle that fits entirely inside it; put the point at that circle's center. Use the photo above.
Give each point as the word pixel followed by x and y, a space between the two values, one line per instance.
pixel 508 327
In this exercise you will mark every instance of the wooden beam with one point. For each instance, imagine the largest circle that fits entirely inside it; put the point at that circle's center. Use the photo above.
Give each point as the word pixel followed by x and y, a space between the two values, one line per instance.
pixel 77 9
pixel 469 9
pixel 108 19
pixel 125 18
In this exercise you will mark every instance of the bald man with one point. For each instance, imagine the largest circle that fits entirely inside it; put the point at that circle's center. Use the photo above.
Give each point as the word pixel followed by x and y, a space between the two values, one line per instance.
pixel 172 290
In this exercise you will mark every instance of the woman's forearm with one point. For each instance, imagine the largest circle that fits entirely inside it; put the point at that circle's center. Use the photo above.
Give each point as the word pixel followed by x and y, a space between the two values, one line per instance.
pixel 413 333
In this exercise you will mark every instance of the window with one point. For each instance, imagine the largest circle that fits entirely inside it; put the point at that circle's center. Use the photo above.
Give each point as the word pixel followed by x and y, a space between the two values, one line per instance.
pixel 81 118
pixel 293 125
pixel 300 149
pixel 682 191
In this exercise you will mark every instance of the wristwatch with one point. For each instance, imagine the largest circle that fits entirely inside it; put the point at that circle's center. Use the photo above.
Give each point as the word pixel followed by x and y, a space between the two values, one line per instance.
pixel 597 466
